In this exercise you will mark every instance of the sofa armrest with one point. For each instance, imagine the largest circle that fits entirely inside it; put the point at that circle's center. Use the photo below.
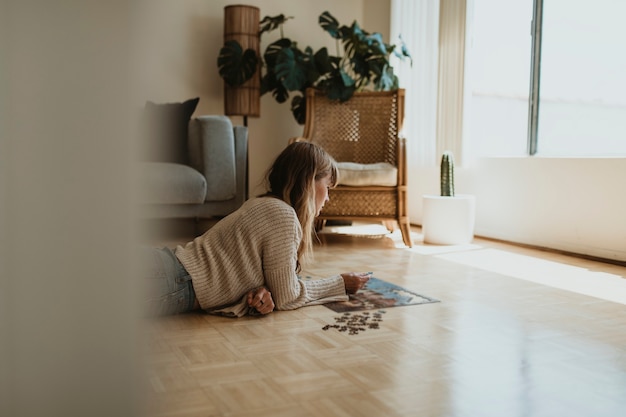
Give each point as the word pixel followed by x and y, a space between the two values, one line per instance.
pixel 212 151
pixel 241 157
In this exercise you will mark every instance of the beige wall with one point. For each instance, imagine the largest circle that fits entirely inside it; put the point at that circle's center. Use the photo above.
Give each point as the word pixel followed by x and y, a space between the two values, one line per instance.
pixel 176 44
pixel 377 17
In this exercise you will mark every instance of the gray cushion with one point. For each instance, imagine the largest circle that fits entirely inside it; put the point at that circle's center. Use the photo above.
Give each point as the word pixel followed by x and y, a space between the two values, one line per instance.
pixel 212 146
pixel 165 131
pixel 170 183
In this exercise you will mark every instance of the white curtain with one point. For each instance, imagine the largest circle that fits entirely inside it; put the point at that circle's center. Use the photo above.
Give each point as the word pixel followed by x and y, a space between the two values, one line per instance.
pixel 417 22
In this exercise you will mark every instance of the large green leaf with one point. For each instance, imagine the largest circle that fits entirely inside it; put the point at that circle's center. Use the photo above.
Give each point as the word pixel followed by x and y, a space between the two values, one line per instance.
pixel 386 80
pixel 298 109
pixel 338 86
pixel 280 93
pixel 273 50
pixel 235 65
pixel 360 65
pixel 324 65
pixel 290 70
pixel 270 84
pixel 376 44
pixel 323 62
pixel 377 65
pixel 346 79
pixel 330 25
pixel 268 23
pixel 404 52
pixel 312 72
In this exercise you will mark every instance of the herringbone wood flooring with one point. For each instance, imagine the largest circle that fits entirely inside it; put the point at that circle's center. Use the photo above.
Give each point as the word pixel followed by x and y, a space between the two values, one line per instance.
pixel 494 346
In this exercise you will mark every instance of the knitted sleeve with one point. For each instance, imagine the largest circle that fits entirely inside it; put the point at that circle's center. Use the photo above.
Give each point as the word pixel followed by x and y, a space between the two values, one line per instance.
pixel 288 291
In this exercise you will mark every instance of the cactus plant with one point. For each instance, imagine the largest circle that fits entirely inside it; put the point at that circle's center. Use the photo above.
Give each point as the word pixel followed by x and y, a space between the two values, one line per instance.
pixel 447 174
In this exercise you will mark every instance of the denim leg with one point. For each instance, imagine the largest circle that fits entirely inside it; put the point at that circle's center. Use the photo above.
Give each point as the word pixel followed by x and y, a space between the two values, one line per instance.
pixel 168 284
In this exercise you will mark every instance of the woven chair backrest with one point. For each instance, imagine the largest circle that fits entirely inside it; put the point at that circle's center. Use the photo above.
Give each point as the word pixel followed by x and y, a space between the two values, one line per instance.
pixel 363 129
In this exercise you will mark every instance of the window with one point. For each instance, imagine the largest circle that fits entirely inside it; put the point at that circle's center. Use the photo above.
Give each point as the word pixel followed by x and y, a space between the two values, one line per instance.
pixel 581 84
pixel 498 72
pixel 582 99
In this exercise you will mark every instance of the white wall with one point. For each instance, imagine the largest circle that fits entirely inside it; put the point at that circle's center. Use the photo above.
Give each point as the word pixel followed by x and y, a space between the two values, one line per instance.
pixel 176 45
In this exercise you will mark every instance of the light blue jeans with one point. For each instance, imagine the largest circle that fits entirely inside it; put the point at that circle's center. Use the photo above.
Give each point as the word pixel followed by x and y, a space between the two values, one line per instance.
pixel 168 284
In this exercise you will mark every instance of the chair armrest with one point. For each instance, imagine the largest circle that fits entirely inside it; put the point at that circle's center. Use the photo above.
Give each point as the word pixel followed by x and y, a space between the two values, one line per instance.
pixel 402 161
pixel 211 145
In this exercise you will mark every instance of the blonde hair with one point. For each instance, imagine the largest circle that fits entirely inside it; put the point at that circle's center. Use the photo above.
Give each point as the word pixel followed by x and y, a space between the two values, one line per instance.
pixel 292 178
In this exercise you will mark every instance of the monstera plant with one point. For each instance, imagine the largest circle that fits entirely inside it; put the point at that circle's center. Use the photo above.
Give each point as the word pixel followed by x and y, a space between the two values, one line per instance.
pixel 361 62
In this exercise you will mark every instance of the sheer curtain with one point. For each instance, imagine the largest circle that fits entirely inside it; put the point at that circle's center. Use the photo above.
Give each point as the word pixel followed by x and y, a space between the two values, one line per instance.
pixel 435 32
pixel 417 22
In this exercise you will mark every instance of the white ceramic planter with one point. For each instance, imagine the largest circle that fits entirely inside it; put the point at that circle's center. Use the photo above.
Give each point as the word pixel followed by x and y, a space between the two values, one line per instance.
pixel 448 220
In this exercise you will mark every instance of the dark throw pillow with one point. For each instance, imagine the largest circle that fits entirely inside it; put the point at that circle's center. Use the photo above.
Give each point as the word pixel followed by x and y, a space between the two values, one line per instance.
pixel 165 130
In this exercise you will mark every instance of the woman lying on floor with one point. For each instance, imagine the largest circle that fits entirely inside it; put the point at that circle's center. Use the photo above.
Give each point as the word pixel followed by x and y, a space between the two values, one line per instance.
pixel 248 262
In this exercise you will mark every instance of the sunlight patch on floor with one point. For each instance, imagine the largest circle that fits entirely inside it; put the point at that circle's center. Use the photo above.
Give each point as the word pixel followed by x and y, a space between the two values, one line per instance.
pixel 577 279
pixel 602 285
pixel 425 249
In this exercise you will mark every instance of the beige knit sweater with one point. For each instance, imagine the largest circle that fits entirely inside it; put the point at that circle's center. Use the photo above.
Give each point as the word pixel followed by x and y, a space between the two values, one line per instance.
pixel 254 246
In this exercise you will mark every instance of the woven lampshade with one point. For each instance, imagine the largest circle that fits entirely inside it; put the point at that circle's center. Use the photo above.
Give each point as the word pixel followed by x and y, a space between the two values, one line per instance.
pixel 241 23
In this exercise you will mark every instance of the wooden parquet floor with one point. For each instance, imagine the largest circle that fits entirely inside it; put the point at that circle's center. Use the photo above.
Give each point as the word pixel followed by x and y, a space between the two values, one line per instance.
pixel 496 345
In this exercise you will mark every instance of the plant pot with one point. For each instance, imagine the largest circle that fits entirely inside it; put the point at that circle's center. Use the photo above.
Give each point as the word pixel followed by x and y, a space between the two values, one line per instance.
pixel 448 220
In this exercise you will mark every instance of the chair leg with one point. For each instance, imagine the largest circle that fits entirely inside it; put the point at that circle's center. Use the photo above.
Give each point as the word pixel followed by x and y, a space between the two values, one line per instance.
pixel 390 225
pixel 319 224
pixel 405 228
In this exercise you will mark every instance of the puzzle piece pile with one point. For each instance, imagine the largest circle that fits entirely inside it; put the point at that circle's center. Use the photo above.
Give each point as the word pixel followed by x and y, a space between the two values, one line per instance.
pixel 355 323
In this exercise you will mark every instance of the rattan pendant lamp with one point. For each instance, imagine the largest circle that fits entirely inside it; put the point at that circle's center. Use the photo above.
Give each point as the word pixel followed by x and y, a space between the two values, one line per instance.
pixel 241 23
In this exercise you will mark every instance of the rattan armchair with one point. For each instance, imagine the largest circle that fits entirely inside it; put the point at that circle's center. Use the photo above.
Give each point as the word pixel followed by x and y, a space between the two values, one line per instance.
pixel 365 131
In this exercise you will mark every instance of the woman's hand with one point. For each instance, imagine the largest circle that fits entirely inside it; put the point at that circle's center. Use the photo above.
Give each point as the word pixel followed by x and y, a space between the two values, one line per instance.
pixel 261 299
pixel 354 281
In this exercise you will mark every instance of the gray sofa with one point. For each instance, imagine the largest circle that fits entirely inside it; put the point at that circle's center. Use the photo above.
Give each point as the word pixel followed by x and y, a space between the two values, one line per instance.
pixel 212 184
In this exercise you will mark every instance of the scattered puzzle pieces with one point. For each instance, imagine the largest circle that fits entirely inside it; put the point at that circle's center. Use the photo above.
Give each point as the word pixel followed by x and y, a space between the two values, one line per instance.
pixel 355 323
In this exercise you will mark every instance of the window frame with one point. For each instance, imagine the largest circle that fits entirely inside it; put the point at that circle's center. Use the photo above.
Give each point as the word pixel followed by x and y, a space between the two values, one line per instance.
pixel 535 76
